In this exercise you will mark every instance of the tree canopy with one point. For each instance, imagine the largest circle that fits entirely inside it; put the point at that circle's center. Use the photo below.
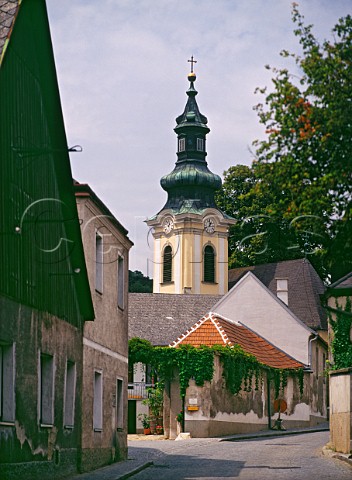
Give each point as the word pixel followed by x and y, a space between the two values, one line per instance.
pixel 138 283
pixel 296 198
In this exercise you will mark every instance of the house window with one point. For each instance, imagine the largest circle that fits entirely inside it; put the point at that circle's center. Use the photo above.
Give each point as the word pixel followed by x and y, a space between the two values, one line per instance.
pixel 7 383
pixel 98 402
pixel 98 263
pixel 200 144
pixel 119 405
pixel 167 264
pixel 209 264
pixel 120 283
pixel 282 289
pixel 181 144
pixel 70 394
pixel 46 410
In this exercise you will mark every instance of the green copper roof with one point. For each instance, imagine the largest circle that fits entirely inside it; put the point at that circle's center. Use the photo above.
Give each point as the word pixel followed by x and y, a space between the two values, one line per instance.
pixel 191 185
pixel 191 117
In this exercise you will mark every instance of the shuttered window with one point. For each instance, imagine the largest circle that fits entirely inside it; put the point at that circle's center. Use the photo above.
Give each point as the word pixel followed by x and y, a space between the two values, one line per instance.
pixel 167 264
pixel 209 264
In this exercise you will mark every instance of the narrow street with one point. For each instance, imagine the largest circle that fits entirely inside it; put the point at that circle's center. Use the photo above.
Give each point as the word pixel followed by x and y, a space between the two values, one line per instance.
pixel 289 457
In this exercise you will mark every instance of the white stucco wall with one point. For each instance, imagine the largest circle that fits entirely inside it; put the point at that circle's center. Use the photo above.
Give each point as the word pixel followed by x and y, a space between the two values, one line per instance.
pixel 252 304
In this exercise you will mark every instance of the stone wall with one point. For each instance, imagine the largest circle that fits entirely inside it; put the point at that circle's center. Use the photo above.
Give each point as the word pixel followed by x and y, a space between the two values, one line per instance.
pixel 211 410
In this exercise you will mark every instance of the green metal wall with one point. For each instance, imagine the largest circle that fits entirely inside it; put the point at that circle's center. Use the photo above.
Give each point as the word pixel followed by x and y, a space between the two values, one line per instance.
pixel 41 255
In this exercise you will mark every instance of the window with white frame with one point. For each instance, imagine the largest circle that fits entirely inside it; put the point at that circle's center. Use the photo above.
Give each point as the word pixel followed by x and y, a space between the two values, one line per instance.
pixel 120 282
pixel 70 394
pixel 7 383
pixel 282 289
pixel 99 262
pixel 98 402
pixel 46 382
pixel 209 264
pixel 200 144
pixel 119 404
pixel 181 144
pixel 167 264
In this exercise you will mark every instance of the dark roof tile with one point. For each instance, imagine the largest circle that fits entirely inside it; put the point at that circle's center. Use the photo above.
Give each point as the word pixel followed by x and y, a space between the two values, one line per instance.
pixel 8 11
pixel 161 317
pixel 304 287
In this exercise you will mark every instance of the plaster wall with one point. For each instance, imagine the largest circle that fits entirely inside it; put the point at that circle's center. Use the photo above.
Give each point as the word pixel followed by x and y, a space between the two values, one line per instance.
pixel 341 410
pixel 215 411
pixel 105 340
pixel 266 316
pixel 27 448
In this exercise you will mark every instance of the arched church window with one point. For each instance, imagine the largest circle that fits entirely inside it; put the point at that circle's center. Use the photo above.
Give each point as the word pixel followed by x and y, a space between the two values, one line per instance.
pixel 167 264
pixel 209 264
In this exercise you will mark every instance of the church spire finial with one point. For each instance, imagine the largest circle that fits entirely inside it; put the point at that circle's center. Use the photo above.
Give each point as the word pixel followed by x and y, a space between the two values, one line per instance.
pixel 192 62
pixel 192 76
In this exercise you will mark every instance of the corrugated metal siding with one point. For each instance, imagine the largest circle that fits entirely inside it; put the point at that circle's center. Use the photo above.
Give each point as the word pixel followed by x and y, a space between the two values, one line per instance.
pixel 40 244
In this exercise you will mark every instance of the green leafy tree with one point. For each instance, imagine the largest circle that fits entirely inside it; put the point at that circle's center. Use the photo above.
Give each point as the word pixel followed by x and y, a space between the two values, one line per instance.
pixel 138 283
pixel 304 166
pixel 296 199
pixel 258 236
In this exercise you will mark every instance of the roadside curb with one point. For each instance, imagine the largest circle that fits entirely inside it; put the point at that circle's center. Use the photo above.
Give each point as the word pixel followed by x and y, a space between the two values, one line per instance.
pixel 271 433
pixel 345 457
pixel 134 471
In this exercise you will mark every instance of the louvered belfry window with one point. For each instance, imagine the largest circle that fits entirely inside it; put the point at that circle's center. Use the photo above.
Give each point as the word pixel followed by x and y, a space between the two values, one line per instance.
pixel 209 264
pixel 167 264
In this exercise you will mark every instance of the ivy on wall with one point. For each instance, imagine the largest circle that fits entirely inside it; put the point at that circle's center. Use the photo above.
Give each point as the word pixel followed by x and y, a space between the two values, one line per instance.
pixel 341 345
pixel 239 367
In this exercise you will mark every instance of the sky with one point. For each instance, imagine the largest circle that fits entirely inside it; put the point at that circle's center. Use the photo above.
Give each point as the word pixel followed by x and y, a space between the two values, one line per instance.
pixel 122 70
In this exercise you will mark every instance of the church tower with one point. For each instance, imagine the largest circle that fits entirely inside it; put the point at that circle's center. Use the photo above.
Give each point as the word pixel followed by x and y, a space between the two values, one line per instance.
pixel 190 232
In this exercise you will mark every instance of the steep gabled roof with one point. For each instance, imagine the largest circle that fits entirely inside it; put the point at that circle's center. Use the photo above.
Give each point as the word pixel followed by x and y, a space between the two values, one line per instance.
pixel 213 329
pixel 304 287
pixel 8 12
pixel 41 239
pixel 161 317
pixel 83 190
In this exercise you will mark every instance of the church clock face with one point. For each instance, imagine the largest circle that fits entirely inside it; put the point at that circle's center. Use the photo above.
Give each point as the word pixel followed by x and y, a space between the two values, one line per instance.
pixel 168 225
pixel 209 225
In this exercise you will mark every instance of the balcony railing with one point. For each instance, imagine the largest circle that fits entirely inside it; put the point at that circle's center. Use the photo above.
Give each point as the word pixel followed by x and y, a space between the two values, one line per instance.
pixel 138 390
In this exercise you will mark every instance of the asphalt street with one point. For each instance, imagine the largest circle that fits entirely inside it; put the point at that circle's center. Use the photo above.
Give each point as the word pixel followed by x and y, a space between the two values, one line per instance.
pixel 290 457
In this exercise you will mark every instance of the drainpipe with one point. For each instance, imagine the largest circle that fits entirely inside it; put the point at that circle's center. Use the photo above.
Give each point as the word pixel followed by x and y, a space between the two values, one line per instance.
pixel 268 400
pixel 310 351
pixel 184 414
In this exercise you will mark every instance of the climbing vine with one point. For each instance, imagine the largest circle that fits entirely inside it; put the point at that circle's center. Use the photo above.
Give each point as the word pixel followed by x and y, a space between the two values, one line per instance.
pixel 341 345
pixel 239 367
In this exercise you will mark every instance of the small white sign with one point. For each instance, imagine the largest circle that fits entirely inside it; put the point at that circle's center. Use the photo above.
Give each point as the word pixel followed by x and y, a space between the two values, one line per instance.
pixel 193 401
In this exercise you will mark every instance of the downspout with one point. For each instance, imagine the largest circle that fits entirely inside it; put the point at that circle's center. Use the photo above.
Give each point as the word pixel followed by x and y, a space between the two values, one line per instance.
pixel 268 400
pixel 183 416
pixel 310 350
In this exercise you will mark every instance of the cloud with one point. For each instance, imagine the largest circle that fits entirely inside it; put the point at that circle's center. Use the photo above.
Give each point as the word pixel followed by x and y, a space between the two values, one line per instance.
pixel 122 68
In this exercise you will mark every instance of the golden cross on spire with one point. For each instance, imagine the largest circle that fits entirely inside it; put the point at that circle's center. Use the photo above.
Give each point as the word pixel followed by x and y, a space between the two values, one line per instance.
pixel 192 62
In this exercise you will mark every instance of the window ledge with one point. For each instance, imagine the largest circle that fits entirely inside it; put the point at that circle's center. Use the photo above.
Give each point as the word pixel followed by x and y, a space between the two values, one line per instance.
pixel 5 423
pixel 167 283
pixel 69 427
pixel 97 429
pixel 210 283
pixel 46 425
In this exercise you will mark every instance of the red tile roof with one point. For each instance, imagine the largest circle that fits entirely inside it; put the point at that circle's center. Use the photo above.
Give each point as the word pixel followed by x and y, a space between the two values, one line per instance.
pixel 216 330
